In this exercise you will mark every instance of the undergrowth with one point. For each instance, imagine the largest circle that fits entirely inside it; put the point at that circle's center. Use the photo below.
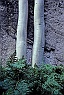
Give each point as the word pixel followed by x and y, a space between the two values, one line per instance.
pixel 19 78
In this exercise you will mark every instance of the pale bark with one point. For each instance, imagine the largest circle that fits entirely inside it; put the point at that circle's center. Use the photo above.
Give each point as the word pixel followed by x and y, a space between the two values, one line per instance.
pixel 21 44
pixel 38 46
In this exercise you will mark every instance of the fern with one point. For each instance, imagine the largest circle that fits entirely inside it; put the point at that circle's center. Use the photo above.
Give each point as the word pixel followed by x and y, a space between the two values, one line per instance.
pixel 19 78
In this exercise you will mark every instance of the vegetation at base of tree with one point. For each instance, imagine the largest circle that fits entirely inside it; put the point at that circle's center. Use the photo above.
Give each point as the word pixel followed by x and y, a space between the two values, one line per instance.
pixel 19 78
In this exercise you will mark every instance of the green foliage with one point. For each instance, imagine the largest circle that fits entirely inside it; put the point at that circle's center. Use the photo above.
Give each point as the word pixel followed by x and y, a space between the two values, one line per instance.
pixel 19 78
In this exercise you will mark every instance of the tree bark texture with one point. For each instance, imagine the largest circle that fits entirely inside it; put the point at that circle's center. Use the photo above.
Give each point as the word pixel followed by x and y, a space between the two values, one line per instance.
pixel 38 46
pixel 21 43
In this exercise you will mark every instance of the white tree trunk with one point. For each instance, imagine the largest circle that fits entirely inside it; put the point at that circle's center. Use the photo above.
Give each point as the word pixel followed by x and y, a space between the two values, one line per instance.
pixel 21 43
pixel 38 46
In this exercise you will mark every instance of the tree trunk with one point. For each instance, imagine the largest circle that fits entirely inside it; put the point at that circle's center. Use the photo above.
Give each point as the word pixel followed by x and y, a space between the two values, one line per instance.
pixel 21 43
pixel 38 46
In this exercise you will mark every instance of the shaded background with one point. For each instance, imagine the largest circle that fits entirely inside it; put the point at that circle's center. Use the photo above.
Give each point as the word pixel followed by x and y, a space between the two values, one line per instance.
pixel 54 30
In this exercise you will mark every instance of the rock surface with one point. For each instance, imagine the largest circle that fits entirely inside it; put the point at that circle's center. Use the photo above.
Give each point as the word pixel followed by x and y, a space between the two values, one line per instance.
pixel 54 30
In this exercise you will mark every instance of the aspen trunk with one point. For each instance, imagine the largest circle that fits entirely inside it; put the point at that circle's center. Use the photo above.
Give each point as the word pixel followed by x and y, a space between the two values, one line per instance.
pixel 38 46
pixel 21 43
